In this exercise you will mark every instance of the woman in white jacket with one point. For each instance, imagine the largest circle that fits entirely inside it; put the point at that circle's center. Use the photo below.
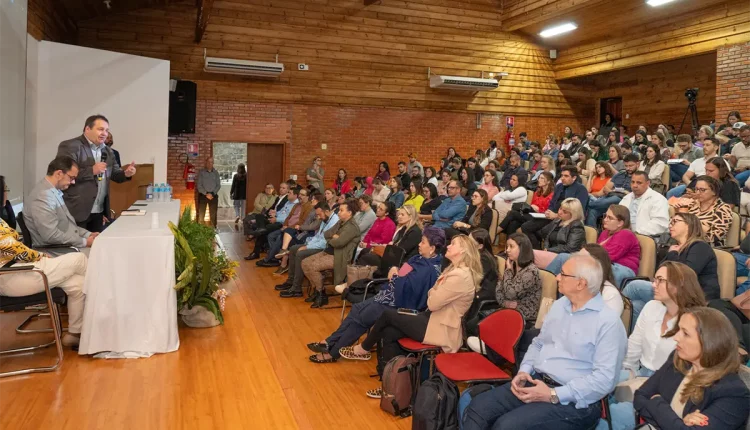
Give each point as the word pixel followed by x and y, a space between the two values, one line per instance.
pixel 503 201
pixel 654 168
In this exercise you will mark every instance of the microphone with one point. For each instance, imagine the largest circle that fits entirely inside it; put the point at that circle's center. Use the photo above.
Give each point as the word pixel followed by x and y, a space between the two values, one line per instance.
pixel 103 160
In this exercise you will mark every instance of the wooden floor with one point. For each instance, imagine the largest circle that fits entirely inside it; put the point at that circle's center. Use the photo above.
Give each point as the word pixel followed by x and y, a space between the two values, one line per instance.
pixel 252 372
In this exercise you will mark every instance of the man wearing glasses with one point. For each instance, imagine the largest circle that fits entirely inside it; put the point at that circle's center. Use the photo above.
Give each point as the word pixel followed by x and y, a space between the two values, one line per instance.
pixel 452 209
pixel 570 366
pixel 47 217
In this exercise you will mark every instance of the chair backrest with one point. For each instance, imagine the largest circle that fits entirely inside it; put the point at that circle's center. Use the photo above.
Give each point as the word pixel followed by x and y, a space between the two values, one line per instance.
pixel 671 212
pixel 494 225
pixel 549 295
pixel 727 272
pixel 501 331
pixel 526 165
pixel 24 230
pixel 590 234
pixel 529 195
pixel 733 235
pixel 500 266
pixel 666 179
pixel 627 315
pixel 647 265
pixel 393 256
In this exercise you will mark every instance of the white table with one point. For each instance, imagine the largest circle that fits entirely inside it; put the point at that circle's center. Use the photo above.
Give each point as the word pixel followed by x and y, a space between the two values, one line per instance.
pixel 131 304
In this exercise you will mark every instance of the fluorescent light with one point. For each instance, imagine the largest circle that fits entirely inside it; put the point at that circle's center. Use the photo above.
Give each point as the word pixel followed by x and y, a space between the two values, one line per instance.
pixel 560 29
pixel 655 3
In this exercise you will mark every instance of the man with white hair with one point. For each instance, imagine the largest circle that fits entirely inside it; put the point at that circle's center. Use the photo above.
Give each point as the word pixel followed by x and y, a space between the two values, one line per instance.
pixel 569 367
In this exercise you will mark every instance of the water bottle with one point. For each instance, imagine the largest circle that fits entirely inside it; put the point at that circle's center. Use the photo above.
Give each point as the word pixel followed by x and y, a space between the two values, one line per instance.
pixel 162 195
pixel 150 193
pixel 157 193
pixel 169 193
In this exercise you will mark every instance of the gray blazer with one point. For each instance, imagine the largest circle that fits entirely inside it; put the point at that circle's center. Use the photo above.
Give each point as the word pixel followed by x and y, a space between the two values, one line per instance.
pixel 80 197
pixel 49 220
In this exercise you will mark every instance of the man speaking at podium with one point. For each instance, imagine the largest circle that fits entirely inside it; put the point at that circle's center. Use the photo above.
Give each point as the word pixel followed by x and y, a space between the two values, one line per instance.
pixel 88 199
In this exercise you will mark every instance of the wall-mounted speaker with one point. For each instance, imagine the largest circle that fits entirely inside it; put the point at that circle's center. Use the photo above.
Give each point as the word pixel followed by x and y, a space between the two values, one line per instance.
pixel 182 107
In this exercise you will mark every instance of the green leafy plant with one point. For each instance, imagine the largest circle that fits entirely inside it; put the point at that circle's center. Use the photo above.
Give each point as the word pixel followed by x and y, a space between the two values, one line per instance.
pixel 198 266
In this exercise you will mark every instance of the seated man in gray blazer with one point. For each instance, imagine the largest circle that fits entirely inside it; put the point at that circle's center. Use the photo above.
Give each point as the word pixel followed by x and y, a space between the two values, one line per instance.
pixel 45 213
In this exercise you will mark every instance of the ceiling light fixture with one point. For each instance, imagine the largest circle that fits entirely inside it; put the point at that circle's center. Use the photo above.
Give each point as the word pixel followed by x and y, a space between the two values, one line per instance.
pixel 559 29
pixel 654 3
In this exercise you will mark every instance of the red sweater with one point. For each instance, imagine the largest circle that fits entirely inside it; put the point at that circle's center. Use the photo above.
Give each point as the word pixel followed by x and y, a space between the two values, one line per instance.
pixel 623 248
pixel 541 202
pixel 382 232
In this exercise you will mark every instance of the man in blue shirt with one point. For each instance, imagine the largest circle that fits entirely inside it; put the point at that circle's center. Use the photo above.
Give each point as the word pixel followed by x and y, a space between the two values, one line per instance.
pixel 621 182
pixel 570 366
pixel 274 223
pixel 451 209
pixel 292 287
pixel 567 188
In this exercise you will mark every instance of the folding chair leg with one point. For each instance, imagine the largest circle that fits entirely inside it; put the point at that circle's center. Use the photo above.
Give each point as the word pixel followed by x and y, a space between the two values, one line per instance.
pixel 22 327
pixel 343 309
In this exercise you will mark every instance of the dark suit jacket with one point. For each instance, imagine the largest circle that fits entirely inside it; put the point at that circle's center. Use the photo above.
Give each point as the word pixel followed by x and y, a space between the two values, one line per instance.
pixel 79 198
pixel 409 241
pixel 726 403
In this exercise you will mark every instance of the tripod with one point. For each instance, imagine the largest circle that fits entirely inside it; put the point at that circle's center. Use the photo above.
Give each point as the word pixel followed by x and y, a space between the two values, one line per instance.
pixel 692 110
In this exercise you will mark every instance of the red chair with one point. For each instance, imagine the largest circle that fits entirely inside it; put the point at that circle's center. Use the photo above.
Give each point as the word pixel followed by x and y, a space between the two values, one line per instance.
pixel 500 331
pixel 420 349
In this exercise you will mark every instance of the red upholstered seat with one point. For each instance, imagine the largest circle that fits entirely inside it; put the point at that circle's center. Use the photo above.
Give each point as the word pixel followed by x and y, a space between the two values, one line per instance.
pixel 468 366
pixel 412 345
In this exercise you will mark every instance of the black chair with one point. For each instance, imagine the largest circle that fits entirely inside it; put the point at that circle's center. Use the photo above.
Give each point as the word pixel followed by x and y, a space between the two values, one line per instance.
pixel 53 298
pixel 51 250
pixel 393 256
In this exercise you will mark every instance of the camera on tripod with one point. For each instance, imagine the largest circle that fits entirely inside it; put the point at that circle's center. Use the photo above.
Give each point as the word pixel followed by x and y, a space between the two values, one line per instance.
pixel 691 94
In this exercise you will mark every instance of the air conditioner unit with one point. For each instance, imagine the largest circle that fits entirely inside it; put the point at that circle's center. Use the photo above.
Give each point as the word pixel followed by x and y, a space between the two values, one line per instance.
pixel 462 83
pixel 243 67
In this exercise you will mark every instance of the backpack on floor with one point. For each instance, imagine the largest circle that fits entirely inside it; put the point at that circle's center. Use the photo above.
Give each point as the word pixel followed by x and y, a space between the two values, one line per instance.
pixel 436 405
pixel 399 385
pixel 467 396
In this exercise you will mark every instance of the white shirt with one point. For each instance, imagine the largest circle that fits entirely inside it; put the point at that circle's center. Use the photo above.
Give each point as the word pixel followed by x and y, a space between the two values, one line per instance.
pixel 102 189
pixel 649 214
pixel 646 344
pixel 612 298
pixel 698 166
pixel 656 170
pixel 519 195
pixel 742 153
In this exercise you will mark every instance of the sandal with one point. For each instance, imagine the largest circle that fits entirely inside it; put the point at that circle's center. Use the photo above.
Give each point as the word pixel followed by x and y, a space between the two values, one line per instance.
pixel 350 355
pixel 314 358
pixel 376 393
pixel 346 348
pixel 318 347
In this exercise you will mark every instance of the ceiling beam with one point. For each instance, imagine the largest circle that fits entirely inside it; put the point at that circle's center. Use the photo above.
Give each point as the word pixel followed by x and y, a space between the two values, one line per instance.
pixel 204 13
pixel 530 12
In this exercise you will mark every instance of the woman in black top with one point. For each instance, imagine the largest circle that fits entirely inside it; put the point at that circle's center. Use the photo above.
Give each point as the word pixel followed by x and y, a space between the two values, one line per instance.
pixel 431 202
pixel 468 184
pixel 479 215
pixel 238 192
pixel 489 281
pixel 699 386
pixel 407 237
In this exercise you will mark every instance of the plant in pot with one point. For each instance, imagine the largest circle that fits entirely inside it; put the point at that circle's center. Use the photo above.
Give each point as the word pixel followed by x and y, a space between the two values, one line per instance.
pixel 200 269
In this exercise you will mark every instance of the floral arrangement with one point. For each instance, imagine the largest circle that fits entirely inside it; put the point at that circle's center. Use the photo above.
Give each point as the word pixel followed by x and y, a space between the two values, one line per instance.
pixel 199 267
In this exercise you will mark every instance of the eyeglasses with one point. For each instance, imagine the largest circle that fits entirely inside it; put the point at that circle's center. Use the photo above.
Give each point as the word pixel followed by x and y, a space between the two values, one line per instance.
pixel 674 221
pixel 701 190
pixel 453 188
pixel 659 280
pixel 563 274
pixel 610 218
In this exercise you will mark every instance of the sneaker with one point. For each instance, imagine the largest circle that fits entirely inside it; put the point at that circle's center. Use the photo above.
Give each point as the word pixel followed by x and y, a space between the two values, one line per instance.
pixel 281 270
pixel 376 393
pixel 281 254
pixel 340 288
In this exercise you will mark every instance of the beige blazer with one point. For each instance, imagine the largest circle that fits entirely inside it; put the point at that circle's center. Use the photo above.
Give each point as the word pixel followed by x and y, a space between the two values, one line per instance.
pixel 448 301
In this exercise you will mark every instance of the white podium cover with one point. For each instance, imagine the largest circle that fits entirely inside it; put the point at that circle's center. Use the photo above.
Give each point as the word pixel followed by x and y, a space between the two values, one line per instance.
pixel 131 304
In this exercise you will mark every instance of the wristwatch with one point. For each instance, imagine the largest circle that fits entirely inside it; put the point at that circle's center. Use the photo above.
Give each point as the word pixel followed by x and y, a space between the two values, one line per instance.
pixel 553 397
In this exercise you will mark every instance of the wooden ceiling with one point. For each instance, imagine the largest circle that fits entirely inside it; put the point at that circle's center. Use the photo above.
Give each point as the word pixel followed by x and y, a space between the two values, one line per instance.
pixel 81 10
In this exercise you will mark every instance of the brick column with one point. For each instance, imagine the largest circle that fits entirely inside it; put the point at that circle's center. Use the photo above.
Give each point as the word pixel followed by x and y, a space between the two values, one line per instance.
pixel 733 81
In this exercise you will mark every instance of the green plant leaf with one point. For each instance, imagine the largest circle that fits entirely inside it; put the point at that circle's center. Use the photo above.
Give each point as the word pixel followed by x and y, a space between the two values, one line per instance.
pixel 212 305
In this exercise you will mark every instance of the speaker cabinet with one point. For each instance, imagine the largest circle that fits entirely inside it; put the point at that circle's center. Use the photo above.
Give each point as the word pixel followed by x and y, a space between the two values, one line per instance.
pixel 182 107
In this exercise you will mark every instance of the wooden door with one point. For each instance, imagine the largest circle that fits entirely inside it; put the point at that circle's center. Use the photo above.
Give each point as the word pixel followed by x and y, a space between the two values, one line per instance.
pixel 613 106
pixel 122 196
pixel 265 163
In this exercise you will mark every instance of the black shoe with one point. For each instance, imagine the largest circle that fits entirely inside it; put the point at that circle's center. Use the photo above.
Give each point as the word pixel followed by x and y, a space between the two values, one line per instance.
pixel 312 297
pixel 288 294
pixel 318 347
pixel 270 263
pixel 320 301
pixel 282 287
pixel 252 256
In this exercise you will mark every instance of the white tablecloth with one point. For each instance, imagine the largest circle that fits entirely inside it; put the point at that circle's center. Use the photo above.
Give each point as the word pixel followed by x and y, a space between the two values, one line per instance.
pixel 131 304
pixel 225 201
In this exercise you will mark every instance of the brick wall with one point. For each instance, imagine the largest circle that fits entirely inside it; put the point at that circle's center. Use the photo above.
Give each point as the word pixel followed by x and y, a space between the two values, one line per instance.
pixel 357 138
pixel 733 81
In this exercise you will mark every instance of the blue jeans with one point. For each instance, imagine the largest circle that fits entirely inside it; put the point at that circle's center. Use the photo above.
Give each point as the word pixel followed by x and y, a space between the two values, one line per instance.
pixel 500 409
pixel 599 207
pixel 742 177
pixel 274 244
pixel 623 414
pixel 619 271
pixel 677 171
pixel 742 270
pixel 362 316
pixel 639 292
pixel 676 191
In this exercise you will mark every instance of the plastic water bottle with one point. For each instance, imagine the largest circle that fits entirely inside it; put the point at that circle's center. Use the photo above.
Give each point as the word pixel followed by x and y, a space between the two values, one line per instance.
pixel 169 193
pixel 157 193
pixel 150 193
pixel 163 193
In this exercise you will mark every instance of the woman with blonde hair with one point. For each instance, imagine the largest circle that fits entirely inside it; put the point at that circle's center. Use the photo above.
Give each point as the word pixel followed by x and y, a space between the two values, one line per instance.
pixel 447 302
pixel 564 234
pixel 407 236
pixel 698 386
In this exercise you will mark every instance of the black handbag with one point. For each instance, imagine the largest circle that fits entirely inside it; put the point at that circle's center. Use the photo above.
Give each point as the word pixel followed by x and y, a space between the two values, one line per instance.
pixel 523 207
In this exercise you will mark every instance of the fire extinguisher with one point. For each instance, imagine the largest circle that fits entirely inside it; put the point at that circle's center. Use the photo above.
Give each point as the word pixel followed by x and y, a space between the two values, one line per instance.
pixel 189 174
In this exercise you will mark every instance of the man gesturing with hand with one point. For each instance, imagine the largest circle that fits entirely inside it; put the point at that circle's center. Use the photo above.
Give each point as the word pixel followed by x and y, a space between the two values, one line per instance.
pixel 570 366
